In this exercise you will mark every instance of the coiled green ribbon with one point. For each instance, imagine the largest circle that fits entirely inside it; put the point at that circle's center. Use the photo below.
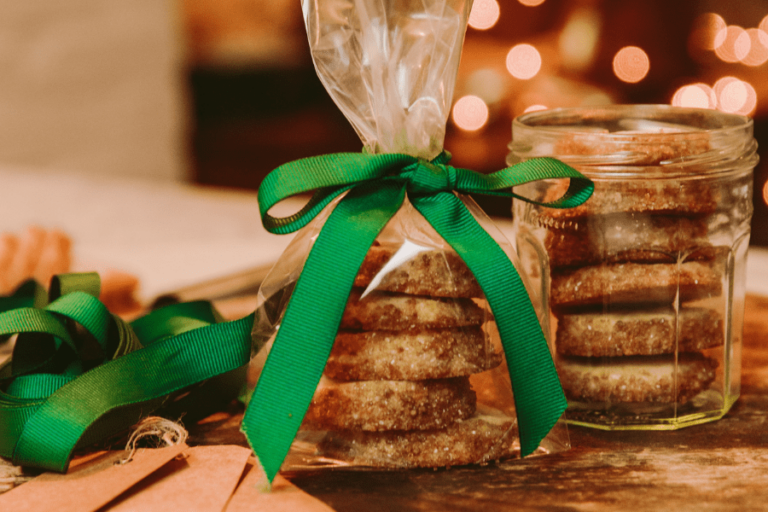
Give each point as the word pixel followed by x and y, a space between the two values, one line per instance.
pixel 376 186
pixel 79 374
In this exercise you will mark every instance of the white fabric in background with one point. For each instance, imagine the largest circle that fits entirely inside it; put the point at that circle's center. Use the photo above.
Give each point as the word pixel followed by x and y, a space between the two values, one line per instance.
pixel 92 86
pixel 169 235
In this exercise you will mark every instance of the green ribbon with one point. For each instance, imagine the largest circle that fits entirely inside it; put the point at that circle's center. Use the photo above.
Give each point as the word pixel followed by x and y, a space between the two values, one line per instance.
pixel 79 374
pixel 376 187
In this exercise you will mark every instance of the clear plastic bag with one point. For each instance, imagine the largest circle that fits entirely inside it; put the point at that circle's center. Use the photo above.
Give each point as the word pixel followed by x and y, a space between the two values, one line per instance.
pixel 390 66
pixel 417 376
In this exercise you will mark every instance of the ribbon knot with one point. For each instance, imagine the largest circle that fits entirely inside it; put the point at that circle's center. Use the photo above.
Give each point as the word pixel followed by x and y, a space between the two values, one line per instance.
pixel 425 178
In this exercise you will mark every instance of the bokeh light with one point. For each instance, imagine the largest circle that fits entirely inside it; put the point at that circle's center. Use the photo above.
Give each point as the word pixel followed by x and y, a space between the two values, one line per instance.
pixel 750 102
pixel 705 29
pixel 756 43
pixel 721 83
pixel 765 193
pixel 484 14
pixel 764 24
pixel 531 3
pixel 695 96
pixel 523 61
pixel 470 113
pixel 535 108
pixel 735 96
pixel 487 83
pixel 742 45
pixel 578 39
pixel 631 64
pixel 725 44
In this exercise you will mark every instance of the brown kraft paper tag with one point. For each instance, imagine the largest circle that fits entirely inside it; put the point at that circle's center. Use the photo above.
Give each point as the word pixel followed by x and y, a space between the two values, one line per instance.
pixel 201 482
pixel 91 482
pixel 253 494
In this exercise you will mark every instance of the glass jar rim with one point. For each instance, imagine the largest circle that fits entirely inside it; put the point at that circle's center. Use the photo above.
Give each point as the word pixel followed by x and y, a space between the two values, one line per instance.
pixel 617 138
pixel 728 122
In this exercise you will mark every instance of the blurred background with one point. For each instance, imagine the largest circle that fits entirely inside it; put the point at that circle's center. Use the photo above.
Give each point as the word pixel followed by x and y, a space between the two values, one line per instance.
pixel 219 92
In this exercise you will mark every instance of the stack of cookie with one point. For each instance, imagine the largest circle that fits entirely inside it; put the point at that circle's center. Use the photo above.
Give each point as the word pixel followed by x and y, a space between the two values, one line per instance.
pixel 396 390
pixel 634 277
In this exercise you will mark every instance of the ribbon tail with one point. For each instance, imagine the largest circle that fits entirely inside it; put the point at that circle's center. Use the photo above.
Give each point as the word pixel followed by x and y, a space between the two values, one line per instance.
pixel 498 183
pixel 539 399
pixel 305 338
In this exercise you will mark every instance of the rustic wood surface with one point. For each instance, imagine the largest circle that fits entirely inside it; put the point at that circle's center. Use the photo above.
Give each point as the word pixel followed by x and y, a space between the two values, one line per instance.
pixel 716 466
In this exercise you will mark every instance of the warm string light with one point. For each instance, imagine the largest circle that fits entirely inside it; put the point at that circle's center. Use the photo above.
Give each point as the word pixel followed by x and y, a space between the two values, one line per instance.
pixel 705 31
pixel 731 43
pixel 484 14
pixel 765 193
pixel 726 48
pixel 487 83
pixel 742 45
pixel 531 3
pixel 735 96
pixel 578 39
pixel 729 94
pixel 523 61
pixel 631 64
pixel 695 96
pixel 753 43
pixel 470 113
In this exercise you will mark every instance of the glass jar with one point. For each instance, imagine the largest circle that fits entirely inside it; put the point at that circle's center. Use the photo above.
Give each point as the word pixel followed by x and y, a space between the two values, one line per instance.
pixel 645 282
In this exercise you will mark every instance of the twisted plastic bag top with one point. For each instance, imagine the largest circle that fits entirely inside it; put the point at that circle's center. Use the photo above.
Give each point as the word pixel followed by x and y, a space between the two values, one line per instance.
pixel 390 66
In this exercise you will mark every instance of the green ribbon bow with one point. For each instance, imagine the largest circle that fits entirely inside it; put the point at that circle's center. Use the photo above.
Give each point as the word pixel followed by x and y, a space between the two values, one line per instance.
pixel 79 374
pixel 376 187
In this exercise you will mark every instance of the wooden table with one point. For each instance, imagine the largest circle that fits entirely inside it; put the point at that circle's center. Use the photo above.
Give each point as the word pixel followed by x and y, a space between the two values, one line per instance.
pixel 715 466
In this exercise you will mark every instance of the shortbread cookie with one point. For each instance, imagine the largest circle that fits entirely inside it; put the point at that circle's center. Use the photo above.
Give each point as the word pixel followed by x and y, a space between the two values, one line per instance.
pixel 635 283
pixel 9 244
pixel 636 378
pixel 647 332
pixel 631 237
pixel 659 196
pixel 434 273
pixel 411 355
pixel 37 253
pixel 55 257
pixel 377 405
pixel 636 147
pixel 395 312
pixel 482 438
pixel 673 194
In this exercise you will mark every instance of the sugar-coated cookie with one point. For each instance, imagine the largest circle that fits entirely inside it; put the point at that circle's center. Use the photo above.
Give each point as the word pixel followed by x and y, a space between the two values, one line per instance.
pixel 481 438
pixel 381 311
pixel 434 273
pixel 639 147
pixel 377 405
pixel 411 355
pixel 638 332
pixel 635 283
pixel 632 237
pixel 667 193
pixel 636 378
